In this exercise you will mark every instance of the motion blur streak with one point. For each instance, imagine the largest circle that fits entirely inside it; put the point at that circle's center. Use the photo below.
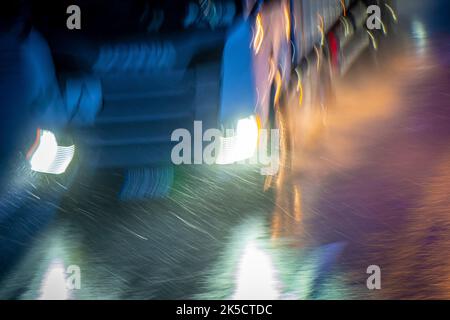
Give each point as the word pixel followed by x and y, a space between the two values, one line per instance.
pixel 343 7
pixel 287 18
pixel 392 11
pixel 259 36
pixel 321 28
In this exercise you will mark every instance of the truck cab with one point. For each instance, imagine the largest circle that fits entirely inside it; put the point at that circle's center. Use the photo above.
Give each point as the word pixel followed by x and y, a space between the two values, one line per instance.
pixel 134 73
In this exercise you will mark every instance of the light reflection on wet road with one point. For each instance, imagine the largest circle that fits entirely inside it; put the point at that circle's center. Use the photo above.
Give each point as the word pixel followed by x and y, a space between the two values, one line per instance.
pixel 372 187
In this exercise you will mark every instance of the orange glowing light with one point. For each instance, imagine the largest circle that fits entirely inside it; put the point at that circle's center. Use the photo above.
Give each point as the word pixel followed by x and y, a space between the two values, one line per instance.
pixel 297 204
pixel 278 82
pixel 344 9
pixel 287 18
pixel 299 87
pixel 259 36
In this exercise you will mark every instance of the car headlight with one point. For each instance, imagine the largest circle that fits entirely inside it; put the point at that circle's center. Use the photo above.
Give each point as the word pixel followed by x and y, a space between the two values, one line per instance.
pixel 242 144
pixel 47 156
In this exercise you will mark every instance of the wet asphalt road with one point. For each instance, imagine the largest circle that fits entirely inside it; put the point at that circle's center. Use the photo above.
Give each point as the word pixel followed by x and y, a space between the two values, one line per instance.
pixel 370 187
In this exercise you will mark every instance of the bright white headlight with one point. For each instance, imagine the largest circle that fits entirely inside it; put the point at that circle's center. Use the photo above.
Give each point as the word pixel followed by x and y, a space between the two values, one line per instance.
pixel 47 157
pixel 242 144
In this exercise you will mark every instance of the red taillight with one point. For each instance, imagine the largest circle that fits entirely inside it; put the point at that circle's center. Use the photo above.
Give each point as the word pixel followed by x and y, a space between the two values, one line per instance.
pixel 334 49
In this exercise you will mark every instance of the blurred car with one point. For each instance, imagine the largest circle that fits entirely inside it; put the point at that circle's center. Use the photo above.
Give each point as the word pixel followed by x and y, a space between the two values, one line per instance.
pixel 128 90
pixel 137 71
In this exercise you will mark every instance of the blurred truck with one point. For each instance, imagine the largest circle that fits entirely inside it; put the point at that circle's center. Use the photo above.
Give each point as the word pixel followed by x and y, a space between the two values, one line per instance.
pixel 137 71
